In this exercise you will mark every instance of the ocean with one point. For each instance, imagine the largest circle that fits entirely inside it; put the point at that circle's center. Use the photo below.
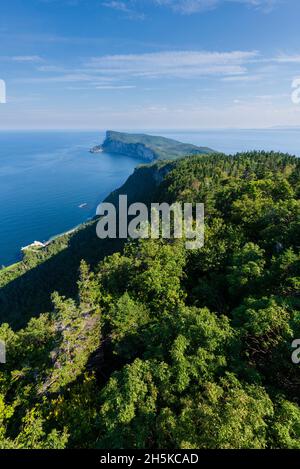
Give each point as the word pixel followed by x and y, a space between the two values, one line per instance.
pixel 46 176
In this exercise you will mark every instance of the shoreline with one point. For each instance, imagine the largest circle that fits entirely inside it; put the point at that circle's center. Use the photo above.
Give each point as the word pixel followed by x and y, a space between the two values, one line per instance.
pixel 53 238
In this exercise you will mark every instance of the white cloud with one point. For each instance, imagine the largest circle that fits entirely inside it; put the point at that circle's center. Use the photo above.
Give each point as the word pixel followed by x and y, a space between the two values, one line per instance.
pixel 272 97
pixel 133 8
pixel 288 59
pixel 176 64
pixel 115 87
pixel 189 6
pixel 50 68
pixel 75 77
pixel 117 5
pixel 27 58
pixel 109 70
pixel 242 78
pixel 196 6
pixel 182 6
pixel 127 8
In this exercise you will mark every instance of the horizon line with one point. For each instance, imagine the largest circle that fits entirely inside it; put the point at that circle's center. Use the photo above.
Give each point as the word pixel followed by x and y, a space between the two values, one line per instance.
pixel 179 129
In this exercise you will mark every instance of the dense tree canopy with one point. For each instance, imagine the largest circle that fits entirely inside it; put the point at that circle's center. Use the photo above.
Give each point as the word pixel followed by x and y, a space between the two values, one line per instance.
pixel 163 347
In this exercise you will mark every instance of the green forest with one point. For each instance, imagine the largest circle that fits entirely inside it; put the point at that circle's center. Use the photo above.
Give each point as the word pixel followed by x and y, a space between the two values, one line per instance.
pixel 149 345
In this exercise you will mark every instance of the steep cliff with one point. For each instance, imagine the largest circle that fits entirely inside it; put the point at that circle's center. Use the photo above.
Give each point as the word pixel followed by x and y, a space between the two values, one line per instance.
pixel 142 183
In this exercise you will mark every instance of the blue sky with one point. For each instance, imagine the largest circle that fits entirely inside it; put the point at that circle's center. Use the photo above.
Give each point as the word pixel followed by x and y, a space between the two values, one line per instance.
pixel 149 64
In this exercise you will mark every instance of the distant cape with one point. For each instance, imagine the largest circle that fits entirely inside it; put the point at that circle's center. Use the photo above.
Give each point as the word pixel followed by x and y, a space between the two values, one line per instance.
pixel 147 147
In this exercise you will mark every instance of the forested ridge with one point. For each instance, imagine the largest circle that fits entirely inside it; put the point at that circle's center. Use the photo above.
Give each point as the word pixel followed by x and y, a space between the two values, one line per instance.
pixel 163 347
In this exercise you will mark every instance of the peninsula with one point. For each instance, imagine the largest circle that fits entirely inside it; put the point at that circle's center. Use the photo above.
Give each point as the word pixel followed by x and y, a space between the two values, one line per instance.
pixel 147 147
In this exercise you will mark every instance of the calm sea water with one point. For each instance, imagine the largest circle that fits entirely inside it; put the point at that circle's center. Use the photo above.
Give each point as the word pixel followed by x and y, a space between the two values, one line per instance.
pixel 233 141
pixel 45 176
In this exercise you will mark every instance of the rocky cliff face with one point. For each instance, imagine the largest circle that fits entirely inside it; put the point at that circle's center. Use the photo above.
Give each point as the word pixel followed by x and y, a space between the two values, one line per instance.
pixel 141 186
pixel 135 150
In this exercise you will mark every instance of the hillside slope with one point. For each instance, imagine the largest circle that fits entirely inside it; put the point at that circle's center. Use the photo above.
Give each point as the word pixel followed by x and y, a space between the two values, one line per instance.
pixel 162 347
pixel 26 287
